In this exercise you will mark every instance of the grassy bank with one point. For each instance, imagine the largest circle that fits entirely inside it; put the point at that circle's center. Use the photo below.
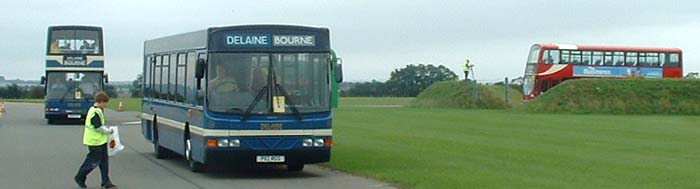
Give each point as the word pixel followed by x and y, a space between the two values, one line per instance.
pixel 440 148
pixel 460 94
pixel 621 96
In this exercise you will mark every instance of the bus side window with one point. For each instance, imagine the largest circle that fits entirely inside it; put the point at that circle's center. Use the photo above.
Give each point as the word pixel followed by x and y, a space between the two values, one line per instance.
pixel 631 59
pixel 164 82
pixel 609 59
pixel 586 60
pixel 673 60
pixel 546 58
pixel 181 78
pixel 619 58
pixel 565 57
pixel 158 77
pixel 597 58
pixel 173 77
pixel 191 81
pixel 663 59
pixel 555 56
pixel 642 59
pixel 145 78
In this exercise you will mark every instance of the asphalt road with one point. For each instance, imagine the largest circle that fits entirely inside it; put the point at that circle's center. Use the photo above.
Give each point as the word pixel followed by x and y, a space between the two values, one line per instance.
pixel 36 155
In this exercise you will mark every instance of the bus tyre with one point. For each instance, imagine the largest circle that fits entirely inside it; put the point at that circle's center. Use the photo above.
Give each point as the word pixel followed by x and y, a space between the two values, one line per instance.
pixel 194 165
pixel 51 121
pixel 295 167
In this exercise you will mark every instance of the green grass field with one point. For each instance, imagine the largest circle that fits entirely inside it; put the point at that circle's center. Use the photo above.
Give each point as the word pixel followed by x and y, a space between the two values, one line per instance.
pixel 25 100
pixel 451 148
pixel 130 104
pixel 375 101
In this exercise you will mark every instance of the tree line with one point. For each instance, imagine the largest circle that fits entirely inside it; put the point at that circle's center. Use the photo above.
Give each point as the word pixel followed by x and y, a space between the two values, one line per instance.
pixel 408 81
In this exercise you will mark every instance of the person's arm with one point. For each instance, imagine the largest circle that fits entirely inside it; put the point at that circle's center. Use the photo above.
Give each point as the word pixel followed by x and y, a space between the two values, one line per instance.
pixel 97 123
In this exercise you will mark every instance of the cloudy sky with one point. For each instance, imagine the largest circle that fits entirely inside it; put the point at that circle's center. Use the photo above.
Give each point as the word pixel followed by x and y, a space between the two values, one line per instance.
pixel 373 37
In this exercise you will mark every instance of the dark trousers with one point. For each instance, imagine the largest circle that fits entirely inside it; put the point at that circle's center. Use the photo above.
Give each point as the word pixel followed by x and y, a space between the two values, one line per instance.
pixel 466 75
pixel 97 157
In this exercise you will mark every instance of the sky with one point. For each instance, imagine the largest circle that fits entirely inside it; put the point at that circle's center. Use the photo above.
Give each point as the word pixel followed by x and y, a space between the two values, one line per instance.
pixel 372 37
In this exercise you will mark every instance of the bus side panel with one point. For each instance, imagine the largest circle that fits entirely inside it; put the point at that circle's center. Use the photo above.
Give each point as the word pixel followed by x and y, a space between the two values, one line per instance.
pixel 171 125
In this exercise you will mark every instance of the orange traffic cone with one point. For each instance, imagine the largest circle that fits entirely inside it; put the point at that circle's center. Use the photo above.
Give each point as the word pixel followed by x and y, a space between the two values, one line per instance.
pixel 121 107
pixel 2 108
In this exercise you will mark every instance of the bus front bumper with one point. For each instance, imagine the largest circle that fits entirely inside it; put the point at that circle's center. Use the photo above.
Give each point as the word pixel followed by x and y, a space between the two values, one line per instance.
pixel 248 157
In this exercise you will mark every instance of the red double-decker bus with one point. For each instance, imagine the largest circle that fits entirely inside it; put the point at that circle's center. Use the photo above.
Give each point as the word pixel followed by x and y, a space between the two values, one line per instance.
pixel 550 64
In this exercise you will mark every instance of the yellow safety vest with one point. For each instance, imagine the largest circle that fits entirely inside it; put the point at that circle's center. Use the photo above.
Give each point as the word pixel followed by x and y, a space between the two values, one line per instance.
pixel 91 136
pixel 466 67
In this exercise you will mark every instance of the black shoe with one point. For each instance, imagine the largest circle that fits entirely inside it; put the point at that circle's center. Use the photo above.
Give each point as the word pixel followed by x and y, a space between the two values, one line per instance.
pixel 79 182
pixel 110 185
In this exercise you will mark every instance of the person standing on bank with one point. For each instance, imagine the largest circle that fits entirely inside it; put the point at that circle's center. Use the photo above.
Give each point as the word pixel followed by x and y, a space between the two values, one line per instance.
pixel 467 67
pixel 96 137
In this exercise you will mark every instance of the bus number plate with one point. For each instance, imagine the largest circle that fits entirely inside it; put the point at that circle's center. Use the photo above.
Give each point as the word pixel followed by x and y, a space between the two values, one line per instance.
pixel 270 159
pixel 74 116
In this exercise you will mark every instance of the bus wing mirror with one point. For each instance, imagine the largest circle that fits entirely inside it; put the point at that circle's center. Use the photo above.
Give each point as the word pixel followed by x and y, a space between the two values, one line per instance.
pixel 43 80
pixel 338 70
pixel 199 72
pixel 106 77
pixel 199 69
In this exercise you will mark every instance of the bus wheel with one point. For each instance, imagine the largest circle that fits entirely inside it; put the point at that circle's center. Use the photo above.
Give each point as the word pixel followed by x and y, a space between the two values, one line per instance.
pixel 50 121
pixel 295 167
pixel 194 165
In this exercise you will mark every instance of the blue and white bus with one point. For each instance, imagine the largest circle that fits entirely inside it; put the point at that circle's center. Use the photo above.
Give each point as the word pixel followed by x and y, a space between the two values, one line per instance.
pixel 246 95
pixel 74 71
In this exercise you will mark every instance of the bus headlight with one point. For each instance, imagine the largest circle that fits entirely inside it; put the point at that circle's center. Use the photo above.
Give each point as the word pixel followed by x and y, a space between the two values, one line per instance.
pixel 308 142
pixel 318 142
pixel 223 143
pixel 234 143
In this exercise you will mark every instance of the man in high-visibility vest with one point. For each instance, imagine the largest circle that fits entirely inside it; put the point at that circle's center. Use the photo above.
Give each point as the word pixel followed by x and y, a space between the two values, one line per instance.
pixel 96 137
pixel 467 68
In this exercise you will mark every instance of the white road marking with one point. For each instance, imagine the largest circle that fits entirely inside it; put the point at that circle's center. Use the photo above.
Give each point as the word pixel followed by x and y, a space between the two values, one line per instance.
pixel 131 123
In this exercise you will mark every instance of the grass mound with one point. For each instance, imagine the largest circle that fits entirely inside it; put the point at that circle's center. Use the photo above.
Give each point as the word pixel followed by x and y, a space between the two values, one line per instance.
pixel 621 96
pixel 459 94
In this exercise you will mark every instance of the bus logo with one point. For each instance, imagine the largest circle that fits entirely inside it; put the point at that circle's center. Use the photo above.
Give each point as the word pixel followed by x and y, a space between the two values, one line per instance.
pixel 267 40
pixel 294 40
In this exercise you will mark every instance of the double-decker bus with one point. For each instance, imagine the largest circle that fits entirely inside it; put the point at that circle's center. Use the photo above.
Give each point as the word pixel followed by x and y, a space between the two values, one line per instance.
pixel 74 71
pixel 249 94
pixel 550 64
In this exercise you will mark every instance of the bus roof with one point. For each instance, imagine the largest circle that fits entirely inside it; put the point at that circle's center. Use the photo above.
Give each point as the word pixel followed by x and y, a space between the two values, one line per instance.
pixel 606 48
pixel 75 27
pixel 203 38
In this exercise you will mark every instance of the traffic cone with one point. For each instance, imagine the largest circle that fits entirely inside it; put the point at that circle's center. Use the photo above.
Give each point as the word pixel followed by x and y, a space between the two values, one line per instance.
pixel 2 108
pixel 121 107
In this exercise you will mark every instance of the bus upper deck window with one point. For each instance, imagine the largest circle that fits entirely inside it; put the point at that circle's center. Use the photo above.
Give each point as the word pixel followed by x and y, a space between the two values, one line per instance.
pixel 555 56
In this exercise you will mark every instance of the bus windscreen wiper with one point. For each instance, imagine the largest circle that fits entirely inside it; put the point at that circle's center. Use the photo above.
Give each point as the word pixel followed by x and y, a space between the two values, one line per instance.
pixel 261 93
pixel 289 100
pixel 65 94
pixel 291 104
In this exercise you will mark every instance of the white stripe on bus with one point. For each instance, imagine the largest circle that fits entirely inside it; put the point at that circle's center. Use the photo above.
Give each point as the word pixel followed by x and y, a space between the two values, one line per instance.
pixel 218 132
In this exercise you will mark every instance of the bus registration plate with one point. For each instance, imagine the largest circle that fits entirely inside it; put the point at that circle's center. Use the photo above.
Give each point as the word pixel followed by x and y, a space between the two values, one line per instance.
pixel 270 159
pixel 74 116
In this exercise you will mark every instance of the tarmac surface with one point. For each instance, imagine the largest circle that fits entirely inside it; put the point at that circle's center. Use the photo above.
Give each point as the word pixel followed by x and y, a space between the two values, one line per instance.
pixel 34 154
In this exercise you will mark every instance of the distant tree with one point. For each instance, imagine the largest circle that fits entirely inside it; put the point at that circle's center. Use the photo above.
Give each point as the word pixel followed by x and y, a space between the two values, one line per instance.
pixel 13 91
pixel 135 87
pixel 35 92
pixel 367 89
pixel 412 79
pixel 111 91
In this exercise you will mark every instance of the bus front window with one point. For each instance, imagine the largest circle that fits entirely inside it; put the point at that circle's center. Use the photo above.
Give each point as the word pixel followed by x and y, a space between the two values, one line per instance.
pixel 73 85
pixel 235 80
